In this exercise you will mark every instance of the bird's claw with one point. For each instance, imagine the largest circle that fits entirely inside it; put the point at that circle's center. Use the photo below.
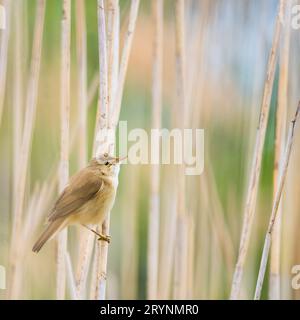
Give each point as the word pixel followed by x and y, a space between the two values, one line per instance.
pixel 106 238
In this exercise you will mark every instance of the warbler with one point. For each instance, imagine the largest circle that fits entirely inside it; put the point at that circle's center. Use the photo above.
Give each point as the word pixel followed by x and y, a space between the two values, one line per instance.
pixel 86 200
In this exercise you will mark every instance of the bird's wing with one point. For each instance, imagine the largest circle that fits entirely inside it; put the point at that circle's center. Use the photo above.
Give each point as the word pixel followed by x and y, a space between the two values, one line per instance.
pixel 82 187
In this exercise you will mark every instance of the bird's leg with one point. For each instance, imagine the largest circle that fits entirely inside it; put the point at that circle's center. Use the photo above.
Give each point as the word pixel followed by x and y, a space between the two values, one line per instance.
pixel 103 237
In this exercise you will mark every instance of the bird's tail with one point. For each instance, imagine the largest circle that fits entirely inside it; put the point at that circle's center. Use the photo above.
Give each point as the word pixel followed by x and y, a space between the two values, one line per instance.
pixel 52 228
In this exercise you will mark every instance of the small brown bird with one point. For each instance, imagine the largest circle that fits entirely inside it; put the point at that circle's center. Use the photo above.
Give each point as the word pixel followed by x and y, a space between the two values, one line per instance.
pixel 87 198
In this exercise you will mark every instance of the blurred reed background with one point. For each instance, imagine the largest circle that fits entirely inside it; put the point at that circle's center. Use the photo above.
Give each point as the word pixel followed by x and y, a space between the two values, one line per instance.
pixel 195 64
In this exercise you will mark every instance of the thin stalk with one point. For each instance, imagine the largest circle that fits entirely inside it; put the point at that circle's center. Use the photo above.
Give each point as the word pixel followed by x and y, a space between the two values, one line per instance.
pixel 85 251
pixel 281 113
pixel 85 240
pixel 257 159
pixel 112 78
pixel 112 52
pixel 168 236
pixel 154 210
pixel 18 90
pixel 70 277
pixel 82 81
pixel 94 273
pixel 180 271
pixel 102 115
pixel 191 257
pixel 5 34
pixel 273 217
pixel 64 148
pixel 31 103
pixel 130 248
pixel 124 60
pixel 101 128
pixel 102 262
pixel 105 88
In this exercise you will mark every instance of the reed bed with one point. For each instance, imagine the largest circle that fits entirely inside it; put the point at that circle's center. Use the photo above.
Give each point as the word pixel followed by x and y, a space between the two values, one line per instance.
pixel 80 67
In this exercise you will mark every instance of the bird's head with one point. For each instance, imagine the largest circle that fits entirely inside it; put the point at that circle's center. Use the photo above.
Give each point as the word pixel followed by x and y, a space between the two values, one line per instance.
pixel 108 164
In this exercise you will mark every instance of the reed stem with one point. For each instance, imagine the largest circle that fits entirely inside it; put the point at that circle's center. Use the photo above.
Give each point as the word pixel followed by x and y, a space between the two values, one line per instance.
pixel 154 210
pixel 280 130
pixel 29 119
pixel 277 198
pixel 64 147
pixel 249 211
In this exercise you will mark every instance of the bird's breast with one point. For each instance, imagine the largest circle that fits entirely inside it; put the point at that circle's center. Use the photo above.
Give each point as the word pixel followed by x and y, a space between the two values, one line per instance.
pixel 96 210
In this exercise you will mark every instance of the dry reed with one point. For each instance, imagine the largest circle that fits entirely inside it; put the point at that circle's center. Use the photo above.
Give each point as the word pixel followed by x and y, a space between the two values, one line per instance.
pixel 257 158
pixel 154 210
pixel 85 239
pixel 124 61
pixel 4 53
pixel 18 107
pixel 277 198
pixel 101 128
pixel 129 231
pixel 64 147
pixel 29 118
pixel 70 276
pixel 114 114
pixel 180 266
pixel 82 81
pixel 167 237
pixel 274 284
pixel 193 222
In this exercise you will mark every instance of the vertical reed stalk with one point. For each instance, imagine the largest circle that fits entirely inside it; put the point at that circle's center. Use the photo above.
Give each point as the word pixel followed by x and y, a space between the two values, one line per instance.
pixel 191 257
pixel 130 248
pixel 82 81
pixel 101 128
pixel 257 159
pixel 168 236
pixel 113 48
pixel 154 210
pixel 113 53
pixel 94 273
pixel 108 67
pixel 124 60
pixel 18 90
pixel 85 238
pixel 113 58
pixel 274 283
pixel 180 272
pixel 114 115
pixel 273 217
pixel 102 117
pixel 29 119
pixel 64 148
pixel 5 34
pixel 85 251
pixel 70 277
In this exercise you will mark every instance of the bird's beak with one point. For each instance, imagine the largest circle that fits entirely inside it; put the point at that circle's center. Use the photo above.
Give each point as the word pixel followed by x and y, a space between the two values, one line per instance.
pixel 120 160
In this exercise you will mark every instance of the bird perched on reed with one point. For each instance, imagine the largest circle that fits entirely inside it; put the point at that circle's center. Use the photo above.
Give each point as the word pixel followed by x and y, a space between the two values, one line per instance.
pixel 87 199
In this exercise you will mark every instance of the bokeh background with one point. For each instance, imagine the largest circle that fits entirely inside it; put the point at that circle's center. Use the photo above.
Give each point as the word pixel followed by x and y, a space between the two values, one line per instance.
pixel 227 48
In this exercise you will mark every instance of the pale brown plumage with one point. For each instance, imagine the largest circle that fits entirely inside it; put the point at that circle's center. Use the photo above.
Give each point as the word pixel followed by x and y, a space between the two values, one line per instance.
pixel 87 198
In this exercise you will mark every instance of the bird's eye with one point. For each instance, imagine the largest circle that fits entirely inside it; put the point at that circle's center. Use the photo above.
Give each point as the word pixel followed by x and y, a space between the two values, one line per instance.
pixel 106 163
